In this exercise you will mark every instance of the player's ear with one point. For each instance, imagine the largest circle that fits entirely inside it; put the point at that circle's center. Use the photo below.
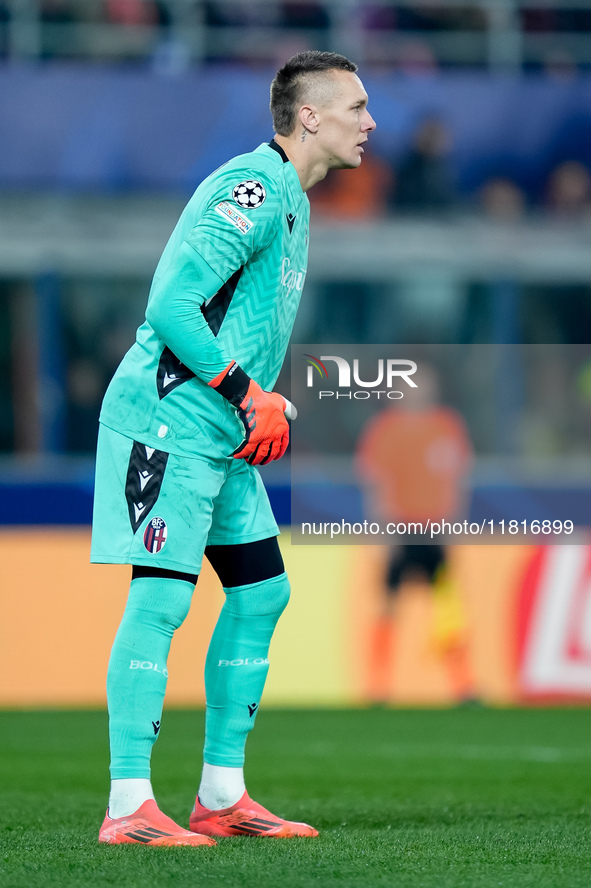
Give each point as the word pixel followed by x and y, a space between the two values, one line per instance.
pixel 309 117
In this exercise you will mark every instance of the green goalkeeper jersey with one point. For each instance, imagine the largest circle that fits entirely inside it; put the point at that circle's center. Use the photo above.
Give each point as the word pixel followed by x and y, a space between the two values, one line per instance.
pixel 227 288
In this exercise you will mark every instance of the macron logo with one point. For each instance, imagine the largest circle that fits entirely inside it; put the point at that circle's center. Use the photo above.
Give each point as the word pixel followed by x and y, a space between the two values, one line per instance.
pixel 138 509
pixel 144 478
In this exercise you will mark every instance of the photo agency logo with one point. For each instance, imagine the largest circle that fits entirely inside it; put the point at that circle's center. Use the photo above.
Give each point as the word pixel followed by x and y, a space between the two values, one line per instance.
pixel 388 378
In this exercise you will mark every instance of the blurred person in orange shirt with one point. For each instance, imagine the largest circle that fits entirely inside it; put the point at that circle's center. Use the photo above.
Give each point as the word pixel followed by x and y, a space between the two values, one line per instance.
pixel 339 197
pixel 414 461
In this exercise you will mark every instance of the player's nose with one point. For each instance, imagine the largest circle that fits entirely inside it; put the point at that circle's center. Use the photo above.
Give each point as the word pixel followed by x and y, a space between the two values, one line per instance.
pixel 369 123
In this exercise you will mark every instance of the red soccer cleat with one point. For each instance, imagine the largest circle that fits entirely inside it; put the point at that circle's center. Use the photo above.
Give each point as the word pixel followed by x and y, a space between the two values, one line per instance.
pixel 246 818
pixel 148 826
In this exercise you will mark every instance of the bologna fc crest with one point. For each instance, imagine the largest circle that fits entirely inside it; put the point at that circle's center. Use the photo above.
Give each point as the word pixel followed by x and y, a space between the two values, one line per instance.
pixel 155 535
pixel 249 195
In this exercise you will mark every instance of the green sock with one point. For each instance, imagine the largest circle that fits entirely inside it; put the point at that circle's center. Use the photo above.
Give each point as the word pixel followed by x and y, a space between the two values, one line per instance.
pixel 236 666
pixel 137 675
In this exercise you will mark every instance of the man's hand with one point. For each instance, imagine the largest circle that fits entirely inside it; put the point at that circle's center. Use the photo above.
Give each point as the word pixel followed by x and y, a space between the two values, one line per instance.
pixel 266 432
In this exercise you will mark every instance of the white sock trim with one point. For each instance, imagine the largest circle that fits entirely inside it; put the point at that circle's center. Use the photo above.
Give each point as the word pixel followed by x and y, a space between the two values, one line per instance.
pixel 127 795
pixel 220 787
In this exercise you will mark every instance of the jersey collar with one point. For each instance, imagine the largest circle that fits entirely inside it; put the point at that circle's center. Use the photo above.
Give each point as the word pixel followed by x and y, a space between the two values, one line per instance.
pixel 290 171
pixel 273 144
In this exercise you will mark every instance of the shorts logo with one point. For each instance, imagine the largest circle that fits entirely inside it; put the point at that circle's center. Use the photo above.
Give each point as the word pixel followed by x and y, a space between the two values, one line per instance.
pixel 155 535
pixel 237 219
pixel 249 195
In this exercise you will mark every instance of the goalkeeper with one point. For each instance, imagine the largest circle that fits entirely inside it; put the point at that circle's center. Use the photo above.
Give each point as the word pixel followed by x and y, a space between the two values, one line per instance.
pixel 185 420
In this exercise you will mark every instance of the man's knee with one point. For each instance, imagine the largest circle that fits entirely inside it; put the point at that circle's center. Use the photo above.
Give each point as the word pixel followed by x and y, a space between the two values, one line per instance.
pixel 246 563
pixel 268 598
pixel 159 601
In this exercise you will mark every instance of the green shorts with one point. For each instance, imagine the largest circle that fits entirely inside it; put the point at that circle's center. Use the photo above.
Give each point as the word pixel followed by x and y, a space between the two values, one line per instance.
pixel 158 509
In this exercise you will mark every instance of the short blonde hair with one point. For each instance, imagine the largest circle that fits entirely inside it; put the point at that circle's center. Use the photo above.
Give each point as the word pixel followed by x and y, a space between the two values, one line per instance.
pixel 295 79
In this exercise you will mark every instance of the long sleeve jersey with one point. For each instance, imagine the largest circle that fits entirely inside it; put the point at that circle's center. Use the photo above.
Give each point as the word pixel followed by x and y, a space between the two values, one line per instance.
pixel 227 287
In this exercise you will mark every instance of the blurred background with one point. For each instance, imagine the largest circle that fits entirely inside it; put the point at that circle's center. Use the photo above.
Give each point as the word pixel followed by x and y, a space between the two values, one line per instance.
pixel 469 222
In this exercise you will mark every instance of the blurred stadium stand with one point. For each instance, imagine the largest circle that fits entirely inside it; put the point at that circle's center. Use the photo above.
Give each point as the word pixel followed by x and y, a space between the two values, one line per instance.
pixel 493 34
pixel 112 112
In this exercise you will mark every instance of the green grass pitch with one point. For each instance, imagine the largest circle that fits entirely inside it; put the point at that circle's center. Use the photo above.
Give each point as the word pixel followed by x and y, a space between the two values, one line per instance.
pixel 468 797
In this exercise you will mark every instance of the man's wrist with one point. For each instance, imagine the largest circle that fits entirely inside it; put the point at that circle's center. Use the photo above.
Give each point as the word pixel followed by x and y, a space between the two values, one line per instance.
pixel 232 383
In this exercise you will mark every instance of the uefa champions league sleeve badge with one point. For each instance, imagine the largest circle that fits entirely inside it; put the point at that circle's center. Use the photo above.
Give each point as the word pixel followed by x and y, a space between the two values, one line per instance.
pixel 249 195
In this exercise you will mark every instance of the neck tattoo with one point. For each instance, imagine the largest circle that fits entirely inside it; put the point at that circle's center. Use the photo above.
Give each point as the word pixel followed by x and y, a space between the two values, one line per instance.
pixel 304 134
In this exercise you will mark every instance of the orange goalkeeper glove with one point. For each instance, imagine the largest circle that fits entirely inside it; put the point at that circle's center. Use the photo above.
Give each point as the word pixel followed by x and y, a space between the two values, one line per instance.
pixel 266 432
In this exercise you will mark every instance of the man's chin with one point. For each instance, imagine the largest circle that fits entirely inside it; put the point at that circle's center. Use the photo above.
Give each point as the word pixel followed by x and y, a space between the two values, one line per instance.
pixel 350 164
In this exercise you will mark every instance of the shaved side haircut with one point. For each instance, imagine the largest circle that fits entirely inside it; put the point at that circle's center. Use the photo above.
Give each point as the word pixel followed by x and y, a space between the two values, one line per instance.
pixel 301 79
